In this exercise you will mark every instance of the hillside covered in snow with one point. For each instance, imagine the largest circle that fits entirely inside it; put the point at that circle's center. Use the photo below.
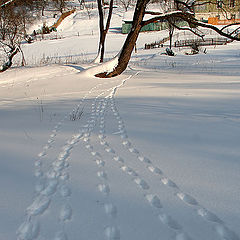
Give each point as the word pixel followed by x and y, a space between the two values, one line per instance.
pixel 151 154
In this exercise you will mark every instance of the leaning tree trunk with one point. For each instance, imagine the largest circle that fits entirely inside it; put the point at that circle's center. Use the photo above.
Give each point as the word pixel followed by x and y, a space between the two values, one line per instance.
pixel 130 41
pixel 8 64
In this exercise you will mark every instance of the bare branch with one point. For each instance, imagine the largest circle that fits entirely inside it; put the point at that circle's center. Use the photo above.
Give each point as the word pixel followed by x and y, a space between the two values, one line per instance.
pixel 153 13
pixel 166 16
pixel 189 18
pixel 203 3
pixel 219 31
pixel 188 29
pixel 236 30
pixel 185 4
pixel 229 25
pixel 6 3
pixel 109 15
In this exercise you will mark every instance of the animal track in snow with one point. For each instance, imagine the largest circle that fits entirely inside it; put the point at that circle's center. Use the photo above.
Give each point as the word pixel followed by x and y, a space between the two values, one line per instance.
pixel 118 159
pixel 28 230
pixel 50 181
pixel 112 233
pixel 40 185
pixel 102 175
pixel 168 182
pixel 104 143
pixel 65 191
pixel 221 229
pixel 225 233
pixel 39 205
pixel 126 143
pixel 110 210
pixel 104 188
pixel 100 162
pixel 167 220
pixel 155 170
pixel 65 213
pixel 88 146
pixel 123 135
pixel 109 150
pixel 101 136
pixel 96 154
pixel 187 198
pixel 64 176
pixel 142 183
pixel 133 150
pixel 50 188
pixel 202 212
pixel 129 171
pixel 41 154
pixel 47 185
pixel 144 159
pixel 208 215
pixel 153 200
pixel 38 173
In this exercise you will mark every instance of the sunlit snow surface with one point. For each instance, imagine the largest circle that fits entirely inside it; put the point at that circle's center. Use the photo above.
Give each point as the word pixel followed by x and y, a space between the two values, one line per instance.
pixel 152 154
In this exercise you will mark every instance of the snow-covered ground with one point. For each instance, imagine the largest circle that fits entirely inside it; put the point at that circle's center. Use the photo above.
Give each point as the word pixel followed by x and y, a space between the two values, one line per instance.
pixel 151 154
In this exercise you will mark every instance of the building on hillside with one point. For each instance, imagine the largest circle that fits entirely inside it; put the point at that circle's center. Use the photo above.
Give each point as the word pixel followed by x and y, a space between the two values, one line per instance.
pixel 127 24
pixel 218 9
pixel 155 26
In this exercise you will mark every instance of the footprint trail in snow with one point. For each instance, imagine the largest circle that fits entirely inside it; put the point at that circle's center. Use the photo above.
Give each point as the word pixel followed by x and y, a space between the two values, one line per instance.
pixel 221 230
pixel 49 182
pixel 57 177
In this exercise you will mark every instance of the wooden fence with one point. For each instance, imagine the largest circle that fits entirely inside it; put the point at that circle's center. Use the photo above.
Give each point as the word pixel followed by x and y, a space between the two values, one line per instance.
pixel 201 42
pixel 190 42
pixel 156 44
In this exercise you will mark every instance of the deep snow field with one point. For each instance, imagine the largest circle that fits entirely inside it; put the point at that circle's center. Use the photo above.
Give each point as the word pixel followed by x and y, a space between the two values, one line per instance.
pixel 152 154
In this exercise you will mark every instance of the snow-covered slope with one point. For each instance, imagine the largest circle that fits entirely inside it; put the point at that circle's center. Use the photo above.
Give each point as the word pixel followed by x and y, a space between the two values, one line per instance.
pixel 151 154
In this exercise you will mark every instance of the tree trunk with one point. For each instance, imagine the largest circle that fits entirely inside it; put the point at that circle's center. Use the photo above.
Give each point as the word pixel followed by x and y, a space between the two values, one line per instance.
pixel 102 45
pixel 170 38
pixel 101 29
pixel 103 32
pixel 130 41
pixel 43 8
pixel 171 30
pixel 8 64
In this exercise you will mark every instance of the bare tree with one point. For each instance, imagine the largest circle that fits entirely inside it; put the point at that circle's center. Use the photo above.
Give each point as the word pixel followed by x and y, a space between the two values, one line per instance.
pixel 130 41
pixel 83 5
pixel 9 38
pixel 60 5
pixel 42 5
pixel 171 23
pixel 13 20
pixel 126 4
pixel 183 12
pixel 103 30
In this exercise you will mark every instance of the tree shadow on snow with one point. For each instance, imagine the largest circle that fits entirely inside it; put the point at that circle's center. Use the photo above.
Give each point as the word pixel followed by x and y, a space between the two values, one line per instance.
pixel 76 67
